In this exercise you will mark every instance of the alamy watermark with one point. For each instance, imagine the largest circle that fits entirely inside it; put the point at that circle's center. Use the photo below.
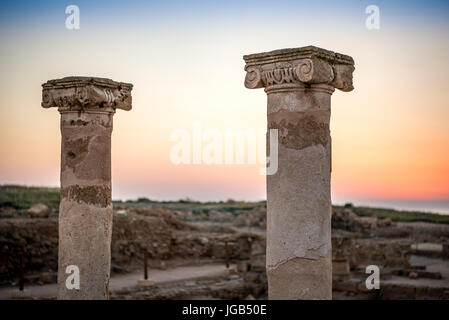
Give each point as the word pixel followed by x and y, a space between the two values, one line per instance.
pixel 212 146
pixel 73 280
pixel 72 21
pixel 373 280
pixel 372 22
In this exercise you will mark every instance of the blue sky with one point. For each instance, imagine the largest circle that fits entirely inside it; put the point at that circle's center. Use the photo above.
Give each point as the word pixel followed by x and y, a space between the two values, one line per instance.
pixel 131 13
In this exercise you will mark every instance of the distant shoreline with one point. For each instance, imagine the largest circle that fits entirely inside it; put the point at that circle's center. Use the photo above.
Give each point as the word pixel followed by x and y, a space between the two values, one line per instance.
pixel 438 206
pixel 425 206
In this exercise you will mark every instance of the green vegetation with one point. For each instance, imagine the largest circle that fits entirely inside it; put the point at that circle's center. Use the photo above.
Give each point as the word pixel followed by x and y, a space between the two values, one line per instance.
pixel 20 197
pixel 397 215
pixel 144 200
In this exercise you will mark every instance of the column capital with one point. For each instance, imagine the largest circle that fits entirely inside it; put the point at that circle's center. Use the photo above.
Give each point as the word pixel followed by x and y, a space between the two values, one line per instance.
pixel 295 67
pixel 90 94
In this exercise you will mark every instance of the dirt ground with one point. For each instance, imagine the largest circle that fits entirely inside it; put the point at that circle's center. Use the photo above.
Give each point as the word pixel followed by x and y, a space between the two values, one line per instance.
pixel 188 250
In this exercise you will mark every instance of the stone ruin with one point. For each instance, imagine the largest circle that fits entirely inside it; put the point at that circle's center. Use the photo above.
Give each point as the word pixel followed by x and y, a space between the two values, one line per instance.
pixel 87 106
pixel 299 84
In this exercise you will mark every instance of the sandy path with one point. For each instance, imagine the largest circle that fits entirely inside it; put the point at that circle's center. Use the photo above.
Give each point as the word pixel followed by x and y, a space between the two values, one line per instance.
pixel 129 280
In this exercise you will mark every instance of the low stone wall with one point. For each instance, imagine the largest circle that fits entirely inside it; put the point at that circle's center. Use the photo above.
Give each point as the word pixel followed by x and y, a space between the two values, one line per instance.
pixel 362 252
pixel 35 239
pixel 157 232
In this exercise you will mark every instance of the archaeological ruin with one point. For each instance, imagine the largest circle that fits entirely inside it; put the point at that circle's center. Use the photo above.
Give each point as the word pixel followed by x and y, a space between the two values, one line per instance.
pixel 299 83
pixel 87 106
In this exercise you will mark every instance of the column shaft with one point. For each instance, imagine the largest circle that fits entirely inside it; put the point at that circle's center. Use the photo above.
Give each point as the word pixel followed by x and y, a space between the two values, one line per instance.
pixel 87 106
pixel 299 83
pixel 85 212
pixel 298 195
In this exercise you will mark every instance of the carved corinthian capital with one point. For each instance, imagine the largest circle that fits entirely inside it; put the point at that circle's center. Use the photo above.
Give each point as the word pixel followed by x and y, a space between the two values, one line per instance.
pixel 86 94
pixel 303 66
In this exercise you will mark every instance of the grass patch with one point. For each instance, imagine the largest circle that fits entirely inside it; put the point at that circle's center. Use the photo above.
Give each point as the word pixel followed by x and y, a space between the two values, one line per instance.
pixel 399 215
pixel 21 197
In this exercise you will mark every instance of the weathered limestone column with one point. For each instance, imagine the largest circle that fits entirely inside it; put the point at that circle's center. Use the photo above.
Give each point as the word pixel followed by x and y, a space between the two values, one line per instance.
pixel 87 106
pixel 299 84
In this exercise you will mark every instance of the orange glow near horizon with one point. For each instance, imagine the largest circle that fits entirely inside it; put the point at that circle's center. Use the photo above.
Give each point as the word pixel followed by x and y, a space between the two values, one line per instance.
pixel 390 138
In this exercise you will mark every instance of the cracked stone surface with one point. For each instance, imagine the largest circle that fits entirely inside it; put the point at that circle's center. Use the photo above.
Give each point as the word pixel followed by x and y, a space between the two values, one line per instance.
pixel 299 84
pixel 87 106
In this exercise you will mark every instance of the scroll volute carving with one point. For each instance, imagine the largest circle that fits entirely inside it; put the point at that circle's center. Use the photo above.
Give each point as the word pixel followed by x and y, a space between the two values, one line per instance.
pixel 123 99
pixel 81 93
pixel 343 77
pixel 314 71
pixel 253 78
pixel 304 66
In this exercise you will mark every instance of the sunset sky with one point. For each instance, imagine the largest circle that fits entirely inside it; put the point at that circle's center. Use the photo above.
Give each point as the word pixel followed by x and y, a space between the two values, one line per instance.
pixel 390 135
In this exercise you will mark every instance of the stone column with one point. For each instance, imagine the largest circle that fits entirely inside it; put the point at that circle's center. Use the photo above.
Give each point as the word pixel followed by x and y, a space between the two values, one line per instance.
pixel 87 106
pixel 299 84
